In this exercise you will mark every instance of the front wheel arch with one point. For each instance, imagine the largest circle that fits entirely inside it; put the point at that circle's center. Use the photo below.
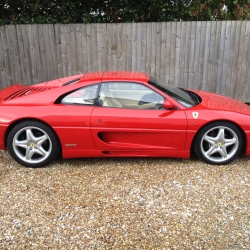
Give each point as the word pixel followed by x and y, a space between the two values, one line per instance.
pixel 243 149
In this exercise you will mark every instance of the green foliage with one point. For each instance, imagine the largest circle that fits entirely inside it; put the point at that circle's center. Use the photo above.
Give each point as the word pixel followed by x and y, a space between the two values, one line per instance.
pixel 108 11
pixel 220 10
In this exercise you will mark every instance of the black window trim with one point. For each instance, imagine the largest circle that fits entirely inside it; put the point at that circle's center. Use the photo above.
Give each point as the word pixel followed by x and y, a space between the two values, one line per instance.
pixel 140 83
pixel 59 99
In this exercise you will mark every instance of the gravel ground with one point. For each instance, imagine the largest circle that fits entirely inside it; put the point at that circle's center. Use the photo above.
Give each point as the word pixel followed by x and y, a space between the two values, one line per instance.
pixel 125 204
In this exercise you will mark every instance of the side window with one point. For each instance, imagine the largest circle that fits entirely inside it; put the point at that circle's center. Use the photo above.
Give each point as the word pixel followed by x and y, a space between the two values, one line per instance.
pixel 129 95
pixel 86 95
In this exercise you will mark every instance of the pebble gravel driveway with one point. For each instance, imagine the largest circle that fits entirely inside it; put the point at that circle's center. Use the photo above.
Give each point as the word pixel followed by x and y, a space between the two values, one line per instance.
pixel 126 203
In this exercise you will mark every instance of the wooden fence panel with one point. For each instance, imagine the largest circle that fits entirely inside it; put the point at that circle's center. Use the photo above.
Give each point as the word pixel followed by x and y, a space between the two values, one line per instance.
pixel 212 56
pixel 245 66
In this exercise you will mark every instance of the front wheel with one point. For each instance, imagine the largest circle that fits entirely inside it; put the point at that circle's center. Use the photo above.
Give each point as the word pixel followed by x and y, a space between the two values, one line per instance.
pixel 218 143
pixel 32 144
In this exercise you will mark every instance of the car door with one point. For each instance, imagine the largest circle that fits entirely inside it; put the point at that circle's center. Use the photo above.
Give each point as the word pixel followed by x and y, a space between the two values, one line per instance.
pixel 71 121
pixel 130 117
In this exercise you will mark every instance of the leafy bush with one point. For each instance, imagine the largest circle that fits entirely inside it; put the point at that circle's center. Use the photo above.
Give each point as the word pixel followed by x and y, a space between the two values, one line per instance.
pixel 108 11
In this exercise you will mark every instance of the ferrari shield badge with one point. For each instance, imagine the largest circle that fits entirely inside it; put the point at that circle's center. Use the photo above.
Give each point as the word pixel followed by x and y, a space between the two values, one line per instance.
pixel 195 115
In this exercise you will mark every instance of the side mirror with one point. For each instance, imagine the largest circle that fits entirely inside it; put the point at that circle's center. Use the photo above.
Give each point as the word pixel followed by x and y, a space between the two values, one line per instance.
pixel 168 105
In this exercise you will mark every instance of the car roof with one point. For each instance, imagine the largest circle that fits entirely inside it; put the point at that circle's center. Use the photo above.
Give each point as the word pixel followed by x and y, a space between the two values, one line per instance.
pixel 114 76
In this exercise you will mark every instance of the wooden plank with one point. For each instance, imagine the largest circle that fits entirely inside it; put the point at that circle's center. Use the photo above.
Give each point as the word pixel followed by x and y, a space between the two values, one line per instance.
pixel 216 56
pixel 94 48
pixel 239 90
pixel 197 44
pixel 138 46
pixel 168 52
pixel 211 64
pixel 129 46
pixel 149 48
pixel 58 49
pixel 52 43
pixel 153 50
pixel 158 49
pixel 172 53
pixel 123 53
pixel 201 54
pixel 212 58
pixel 98 50
pixel 84 53
pixel 21 54
pixel 187 54
pixel 134 46
pixel 163 50
pixel 72 47
pixel 6 74
pixel 110 49
pixel 225 59
pixel 177 54
pixel 105 46
pixel 49 51
pixel 14 58
pixel 2 62
pixel 79 49
pixel 221 58
pixel 247 76
pixel 114 47
pixel 235 57
pixel 44 53
pixel 245 63
pixel 26 57
pixel 120 48
pixel 64 30
pixel 206 57
pixel 47 63
pixel 229 91
pixel 34 53
pixel 89 47
pixel 182 54
pixel 143 47
pixel 191 56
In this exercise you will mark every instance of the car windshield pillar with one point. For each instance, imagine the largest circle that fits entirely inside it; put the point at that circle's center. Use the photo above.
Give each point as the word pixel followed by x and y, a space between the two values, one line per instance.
pixel 180 95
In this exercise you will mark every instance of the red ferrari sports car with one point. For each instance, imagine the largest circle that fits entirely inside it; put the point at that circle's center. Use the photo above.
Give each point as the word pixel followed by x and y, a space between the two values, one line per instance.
pixel 119 114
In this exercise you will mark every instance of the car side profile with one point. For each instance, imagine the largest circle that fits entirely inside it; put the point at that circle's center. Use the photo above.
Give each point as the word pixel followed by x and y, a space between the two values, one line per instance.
pixel 119 114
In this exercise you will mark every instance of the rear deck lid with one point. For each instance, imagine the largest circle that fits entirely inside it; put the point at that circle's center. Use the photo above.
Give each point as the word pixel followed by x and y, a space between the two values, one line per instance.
pixel 19 90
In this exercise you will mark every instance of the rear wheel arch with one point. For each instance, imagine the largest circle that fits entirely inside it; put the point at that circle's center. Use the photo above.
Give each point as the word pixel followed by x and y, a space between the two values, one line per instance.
pixel 12 125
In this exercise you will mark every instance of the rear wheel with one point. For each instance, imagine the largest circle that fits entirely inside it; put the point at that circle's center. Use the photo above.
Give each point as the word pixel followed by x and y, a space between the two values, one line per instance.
pixel 218 143
pixel 32 144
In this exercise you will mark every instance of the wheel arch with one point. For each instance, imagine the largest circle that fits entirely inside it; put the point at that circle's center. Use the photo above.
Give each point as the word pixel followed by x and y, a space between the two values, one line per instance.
pixel 29 119
pixel 243 150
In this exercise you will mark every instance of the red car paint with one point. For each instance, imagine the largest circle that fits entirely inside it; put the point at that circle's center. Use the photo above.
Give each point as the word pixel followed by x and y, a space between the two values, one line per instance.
pixel 93 131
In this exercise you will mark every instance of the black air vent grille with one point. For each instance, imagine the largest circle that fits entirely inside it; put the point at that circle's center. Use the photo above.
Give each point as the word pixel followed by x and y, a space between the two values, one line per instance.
pixel 27 91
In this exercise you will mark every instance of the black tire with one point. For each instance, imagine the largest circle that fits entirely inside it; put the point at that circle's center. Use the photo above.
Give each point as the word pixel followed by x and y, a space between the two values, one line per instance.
pixel 32 144
pixel 218 143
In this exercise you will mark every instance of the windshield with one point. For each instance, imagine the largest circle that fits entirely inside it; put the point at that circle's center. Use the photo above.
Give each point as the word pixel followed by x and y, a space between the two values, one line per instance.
pixel 186 98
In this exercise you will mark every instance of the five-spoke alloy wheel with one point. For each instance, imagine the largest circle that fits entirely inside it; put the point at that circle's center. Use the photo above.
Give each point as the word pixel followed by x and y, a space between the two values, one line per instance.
pixel 32 144
pixel 218 143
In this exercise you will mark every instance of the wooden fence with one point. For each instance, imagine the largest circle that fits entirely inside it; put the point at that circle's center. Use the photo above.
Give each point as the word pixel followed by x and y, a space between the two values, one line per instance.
pixel 212 56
